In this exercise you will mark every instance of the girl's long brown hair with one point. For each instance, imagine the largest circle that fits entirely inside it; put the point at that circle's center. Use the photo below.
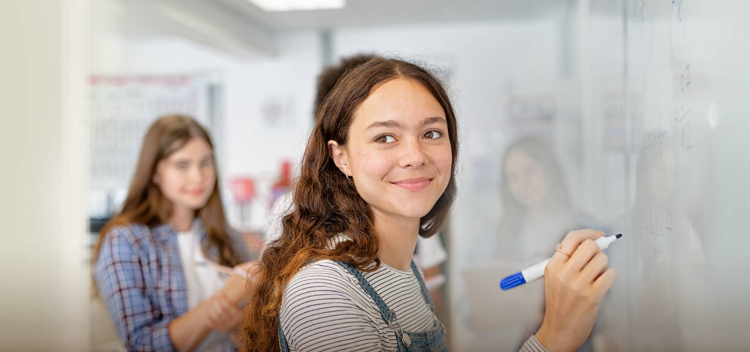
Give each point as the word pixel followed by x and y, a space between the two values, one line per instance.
pixel 145 203
pixel 325 204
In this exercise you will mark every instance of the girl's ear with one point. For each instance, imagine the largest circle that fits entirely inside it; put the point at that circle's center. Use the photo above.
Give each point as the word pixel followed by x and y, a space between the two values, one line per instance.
pixel 339 156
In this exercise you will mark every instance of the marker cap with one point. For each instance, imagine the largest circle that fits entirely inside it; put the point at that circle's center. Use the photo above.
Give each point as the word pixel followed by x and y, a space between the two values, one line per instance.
pixel 512 281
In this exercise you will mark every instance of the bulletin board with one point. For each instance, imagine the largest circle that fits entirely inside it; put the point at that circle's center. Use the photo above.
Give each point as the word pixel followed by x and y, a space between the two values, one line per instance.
pixel 123 107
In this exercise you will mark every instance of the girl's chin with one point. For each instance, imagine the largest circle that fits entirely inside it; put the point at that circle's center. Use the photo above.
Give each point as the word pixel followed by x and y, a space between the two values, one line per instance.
pixel 413 213
pixel 193 205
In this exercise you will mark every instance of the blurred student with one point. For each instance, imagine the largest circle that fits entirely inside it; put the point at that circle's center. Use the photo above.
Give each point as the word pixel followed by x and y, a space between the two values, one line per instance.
pixel 537 214
pixel 163 265
pixel 430 253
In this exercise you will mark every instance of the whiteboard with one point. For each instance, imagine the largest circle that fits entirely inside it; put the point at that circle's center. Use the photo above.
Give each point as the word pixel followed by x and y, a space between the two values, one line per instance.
pixel 683 74
pixel 651 132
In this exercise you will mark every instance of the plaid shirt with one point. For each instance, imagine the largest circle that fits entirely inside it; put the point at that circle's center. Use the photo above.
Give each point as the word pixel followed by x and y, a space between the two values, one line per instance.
pixel 140 278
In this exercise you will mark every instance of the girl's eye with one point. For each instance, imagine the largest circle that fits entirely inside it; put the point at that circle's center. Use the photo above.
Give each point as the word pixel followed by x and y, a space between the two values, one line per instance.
pixel 385 139
pixel 432 135
pixel 182 166
pixel 207 163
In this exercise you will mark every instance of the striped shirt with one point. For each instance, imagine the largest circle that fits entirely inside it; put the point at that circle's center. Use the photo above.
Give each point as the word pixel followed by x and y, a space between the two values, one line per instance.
pixel 324 308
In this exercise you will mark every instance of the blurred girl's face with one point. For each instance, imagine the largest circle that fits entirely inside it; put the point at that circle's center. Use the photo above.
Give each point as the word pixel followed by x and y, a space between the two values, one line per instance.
pixel 525 179
pixel 187 177
pixel 398 150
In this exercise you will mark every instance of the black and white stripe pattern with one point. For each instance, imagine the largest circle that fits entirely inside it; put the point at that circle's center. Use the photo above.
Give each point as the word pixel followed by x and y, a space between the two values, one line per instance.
pixel 532 345
pixel 324 308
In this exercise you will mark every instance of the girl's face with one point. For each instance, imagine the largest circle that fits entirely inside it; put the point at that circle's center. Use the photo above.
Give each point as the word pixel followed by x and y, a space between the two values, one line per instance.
pixel 398 151
pixel 525 179
pixel 187 177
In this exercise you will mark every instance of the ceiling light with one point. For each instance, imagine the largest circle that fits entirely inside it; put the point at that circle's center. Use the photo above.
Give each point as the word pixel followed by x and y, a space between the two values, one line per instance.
pixel 298 5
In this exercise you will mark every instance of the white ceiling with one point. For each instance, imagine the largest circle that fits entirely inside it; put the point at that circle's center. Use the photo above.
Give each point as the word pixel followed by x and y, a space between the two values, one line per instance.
pixel 240 28
pixel 392 12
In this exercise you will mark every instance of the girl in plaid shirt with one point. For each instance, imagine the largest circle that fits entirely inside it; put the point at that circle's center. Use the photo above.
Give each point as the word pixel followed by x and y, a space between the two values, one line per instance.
pixel 163 266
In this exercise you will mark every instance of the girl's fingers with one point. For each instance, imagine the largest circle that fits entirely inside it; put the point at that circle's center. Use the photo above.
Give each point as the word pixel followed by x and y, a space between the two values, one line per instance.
pixel 595 267
pixel 582 255
pixel 575 238
pixel 605 281
pixel 571 242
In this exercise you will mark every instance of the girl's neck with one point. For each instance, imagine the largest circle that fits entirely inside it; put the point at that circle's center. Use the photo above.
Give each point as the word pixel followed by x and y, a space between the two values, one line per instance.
pixel 398 238
pixel 182 218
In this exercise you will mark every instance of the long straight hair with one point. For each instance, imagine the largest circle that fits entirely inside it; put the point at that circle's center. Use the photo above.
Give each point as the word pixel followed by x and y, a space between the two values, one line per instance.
pixel 325 204
pixel 147 205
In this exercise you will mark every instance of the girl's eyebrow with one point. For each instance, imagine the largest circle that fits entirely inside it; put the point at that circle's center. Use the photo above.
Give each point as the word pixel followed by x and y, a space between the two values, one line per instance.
pixel 395 124
pixel 186 159
pixel 434 119
pixel 388 123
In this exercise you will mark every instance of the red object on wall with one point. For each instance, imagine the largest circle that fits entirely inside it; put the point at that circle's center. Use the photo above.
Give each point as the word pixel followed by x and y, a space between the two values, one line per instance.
pixel 243 189
pixel 285 175
pixel 283 183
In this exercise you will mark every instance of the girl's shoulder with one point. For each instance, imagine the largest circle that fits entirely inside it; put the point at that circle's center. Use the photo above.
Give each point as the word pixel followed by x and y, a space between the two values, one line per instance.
pixel 139 237
pixel 324 305
pixel 320 276
pixel 325 268
pixel 121 243
pixel 325 285
pixel 128 231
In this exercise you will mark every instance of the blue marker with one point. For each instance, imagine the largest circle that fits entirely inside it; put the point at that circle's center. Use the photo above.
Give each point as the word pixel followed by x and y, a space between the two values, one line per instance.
pixel 537 270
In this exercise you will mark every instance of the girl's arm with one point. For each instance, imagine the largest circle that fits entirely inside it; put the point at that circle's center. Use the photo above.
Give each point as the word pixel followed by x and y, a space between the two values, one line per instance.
pixel 189 329
pixel 220 313
pixel 140 326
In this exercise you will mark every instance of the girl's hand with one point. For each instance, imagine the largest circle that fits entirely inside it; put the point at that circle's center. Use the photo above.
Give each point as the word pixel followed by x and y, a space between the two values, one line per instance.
pixel 222 315
pixel 236 288
pixel 574 288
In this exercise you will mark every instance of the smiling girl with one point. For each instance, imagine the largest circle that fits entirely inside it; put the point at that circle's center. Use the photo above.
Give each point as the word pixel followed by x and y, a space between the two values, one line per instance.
pixel 163 264
pixel 378 171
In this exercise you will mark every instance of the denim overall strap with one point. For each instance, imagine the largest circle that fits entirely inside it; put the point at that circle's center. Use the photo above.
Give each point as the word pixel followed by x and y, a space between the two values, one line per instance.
pixel 425 292
pixel 385 312
pixel 282 339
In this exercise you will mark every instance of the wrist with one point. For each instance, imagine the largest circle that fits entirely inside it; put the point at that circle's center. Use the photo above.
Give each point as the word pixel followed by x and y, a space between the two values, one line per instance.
pixel 208 311
pixel 541 336
pixel 545 339
pixel 226 298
